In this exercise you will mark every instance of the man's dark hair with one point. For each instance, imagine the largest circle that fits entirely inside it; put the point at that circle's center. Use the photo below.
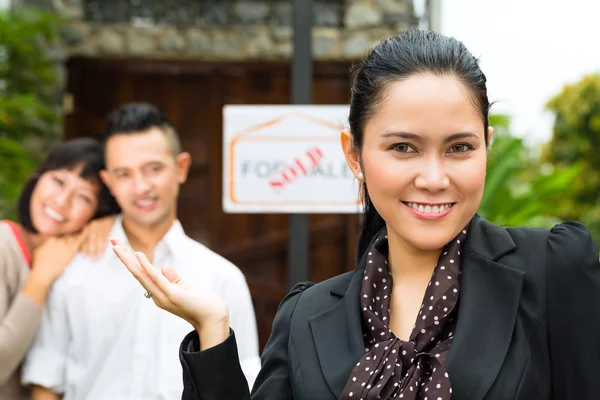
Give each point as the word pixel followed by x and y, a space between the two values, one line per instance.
pixel 135 118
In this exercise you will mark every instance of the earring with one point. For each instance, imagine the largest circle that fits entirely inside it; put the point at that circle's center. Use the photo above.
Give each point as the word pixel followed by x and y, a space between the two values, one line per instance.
pixel 361 176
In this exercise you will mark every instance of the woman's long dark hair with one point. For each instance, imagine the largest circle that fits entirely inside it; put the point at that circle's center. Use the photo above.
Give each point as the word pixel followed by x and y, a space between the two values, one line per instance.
pixel 397 58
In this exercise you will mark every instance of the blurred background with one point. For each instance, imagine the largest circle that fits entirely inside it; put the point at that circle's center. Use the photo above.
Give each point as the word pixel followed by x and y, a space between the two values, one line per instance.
pixel 64 64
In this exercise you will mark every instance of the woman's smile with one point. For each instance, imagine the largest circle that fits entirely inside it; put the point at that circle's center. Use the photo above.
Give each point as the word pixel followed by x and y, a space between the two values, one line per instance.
pixel 429 210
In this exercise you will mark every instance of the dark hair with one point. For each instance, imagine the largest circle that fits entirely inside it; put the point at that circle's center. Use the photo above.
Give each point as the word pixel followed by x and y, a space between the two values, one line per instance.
pixel 86 153
pixel 397 58
pixel 139 117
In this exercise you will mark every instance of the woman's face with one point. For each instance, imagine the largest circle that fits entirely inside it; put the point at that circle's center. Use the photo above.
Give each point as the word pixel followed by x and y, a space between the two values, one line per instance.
pixel 62 202
pixel 424 160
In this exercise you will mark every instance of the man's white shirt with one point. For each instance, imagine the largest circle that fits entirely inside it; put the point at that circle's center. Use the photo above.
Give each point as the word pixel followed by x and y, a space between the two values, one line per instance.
pixel 101 338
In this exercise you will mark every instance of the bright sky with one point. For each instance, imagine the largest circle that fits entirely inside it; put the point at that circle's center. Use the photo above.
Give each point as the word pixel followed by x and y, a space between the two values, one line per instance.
pixel 529 49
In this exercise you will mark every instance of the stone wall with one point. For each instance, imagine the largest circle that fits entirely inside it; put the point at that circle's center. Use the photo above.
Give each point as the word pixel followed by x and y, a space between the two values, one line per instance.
pixel 236 29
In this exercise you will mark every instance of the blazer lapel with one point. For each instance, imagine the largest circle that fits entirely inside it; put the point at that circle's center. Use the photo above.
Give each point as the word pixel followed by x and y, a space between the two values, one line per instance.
pixel 488 305
pixel 337 334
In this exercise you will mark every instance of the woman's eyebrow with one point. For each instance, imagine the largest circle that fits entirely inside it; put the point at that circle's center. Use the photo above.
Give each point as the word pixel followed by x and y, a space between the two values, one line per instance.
pixel 417 138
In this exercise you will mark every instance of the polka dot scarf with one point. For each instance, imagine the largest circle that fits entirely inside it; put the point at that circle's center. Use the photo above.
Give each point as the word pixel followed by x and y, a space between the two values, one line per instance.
pixel 412 370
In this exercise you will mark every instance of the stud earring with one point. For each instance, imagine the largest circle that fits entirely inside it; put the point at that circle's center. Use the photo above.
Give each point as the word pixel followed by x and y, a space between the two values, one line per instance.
pixel 361 176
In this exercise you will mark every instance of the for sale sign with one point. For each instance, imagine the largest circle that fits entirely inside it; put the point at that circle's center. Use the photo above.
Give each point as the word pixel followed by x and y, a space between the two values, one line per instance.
pixel 286 159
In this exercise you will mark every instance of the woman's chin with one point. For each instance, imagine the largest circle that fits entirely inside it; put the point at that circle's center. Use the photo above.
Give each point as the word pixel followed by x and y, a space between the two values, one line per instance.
pixel 46 230
pixel 428 239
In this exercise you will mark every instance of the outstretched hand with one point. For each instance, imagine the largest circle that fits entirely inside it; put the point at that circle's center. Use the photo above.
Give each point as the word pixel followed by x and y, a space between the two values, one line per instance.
pixel 207 313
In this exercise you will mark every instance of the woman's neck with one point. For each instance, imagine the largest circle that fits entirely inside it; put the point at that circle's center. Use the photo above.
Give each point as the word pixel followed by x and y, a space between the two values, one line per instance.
pixel 32 240
pixel 407 262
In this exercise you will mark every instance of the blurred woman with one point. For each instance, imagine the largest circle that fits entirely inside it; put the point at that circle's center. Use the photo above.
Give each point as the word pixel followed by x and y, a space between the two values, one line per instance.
pixel 59 199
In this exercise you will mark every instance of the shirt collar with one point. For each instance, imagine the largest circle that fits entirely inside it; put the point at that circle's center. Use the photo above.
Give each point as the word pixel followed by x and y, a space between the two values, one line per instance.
pixel 173 239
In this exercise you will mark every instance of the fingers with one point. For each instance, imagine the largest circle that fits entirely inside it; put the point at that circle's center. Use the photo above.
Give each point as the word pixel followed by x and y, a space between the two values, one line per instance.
pixel 158 279
pixel 143 271
pixel 162 293
pixel 171 275
pixel 134 266
pixel 97 232
pixel 159 285
pixel 128 259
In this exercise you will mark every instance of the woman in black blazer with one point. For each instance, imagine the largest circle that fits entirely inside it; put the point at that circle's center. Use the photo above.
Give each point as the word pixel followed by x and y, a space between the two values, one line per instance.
pixel 501 313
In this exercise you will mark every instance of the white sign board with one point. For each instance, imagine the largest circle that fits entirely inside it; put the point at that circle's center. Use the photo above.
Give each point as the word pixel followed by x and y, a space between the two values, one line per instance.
pixel 286 159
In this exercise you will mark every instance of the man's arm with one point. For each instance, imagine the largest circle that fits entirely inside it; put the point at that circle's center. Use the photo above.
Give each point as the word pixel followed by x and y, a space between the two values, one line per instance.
pixel 41 393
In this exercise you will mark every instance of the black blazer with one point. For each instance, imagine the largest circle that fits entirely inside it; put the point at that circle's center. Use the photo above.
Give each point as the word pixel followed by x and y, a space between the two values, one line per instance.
pixel 528 327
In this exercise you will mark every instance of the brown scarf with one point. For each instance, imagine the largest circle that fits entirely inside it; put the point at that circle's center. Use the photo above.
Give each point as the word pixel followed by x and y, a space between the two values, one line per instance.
pixel 412 370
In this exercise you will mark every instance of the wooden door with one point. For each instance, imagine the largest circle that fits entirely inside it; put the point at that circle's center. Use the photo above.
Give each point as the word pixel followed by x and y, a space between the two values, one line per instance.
pixel 193 94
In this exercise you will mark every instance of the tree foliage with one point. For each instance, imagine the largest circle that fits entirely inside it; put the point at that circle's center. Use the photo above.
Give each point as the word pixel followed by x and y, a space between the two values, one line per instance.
pixel 29 107
pixel 576 134
pixel 520 189
pixel 576 139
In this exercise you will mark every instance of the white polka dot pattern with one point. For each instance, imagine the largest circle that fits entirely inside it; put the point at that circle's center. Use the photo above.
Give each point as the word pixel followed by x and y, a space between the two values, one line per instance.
pixel 411 370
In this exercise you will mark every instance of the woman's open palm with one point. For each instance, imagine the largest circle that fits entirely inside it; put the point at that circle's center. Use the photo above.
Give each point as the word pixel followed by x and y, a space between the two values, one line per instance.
pixel 171 293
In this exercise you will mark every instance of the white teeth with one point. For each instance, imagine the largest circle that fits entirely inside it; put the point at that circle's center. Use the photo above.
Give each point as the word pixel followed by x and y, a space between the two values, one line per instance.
pixel 144 203
pixel 427 209
pixel 54 215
